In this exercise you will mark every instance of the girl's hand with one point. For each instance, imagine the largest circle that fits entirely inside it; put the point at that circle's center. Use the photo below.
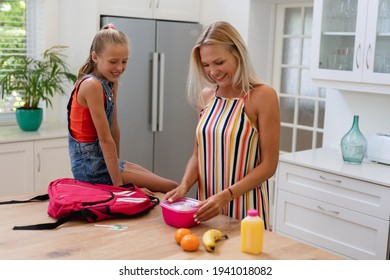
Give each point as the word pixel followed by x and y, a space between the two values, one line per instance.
pixel 147 192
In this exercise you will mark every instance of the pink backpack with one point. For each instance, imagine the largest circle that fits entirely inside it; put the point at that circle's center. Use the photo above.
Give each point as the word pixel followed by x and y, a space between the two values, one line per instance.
pixel 71 199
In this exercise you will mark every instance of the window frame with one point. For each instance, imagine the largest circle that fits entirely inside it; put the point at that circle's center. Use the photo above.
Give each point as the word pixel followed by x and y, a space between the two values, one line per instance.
pixel 35 31
pixel 277 78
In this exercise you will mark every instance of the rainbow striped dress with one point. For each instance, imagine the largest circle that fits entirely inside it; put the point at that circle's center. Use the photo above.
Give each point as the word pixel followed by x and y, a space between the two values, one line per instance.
pixel 228 148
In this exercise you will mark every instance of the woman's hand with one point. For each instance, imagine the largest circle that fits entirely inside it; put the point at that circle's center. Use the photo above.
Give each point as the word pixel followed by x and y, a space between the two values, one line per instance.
pixel 212 206
pixel 178 192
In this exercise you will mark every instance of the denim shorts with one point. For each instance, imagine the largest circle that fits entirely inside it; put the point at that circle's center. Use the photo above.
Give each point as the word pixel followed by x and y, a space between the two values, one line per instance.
pixel 87 162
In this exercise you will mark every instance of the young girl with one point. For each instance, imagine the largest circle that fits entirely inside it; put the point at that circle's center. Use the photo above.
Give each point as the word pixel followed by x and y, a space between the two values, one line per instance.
pixel 92 119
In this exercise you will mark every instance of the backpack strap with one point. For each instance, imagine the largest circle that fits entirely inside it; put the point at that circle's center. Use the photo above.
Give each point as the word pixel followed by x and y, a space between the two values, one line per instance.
pixel 37 198
pixel 74 215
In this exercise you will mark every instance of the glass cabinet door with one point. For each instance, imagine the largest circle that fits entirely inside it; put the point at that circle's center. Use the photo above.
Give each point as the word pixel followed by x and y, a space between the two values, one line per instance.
pixel 382 38
pixel 338 34
pixel 351 43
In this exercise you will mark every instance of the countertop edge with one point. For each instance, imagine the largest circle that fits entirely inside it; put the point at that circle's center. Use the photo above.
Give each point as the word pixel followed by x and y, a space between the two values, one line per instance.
pixel 330 160
pixel 13 134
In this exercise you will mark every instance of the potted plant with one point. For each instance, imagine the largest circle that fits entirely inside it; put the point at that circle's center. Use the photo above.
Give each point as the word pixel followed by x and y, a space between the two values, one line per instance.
pixel 34 80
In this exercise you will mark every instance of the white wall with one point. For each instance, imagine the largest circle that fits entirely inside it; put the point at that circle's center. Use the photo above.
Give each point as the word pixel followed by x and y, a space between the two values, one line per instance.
pixel 233 11
pixel 373 111
pixel 254 20
pixel 72 23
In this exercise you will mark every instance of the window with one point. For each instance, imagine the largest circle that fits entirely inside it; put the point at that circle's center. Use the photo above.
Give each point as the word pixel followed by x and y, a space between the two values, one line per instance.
pixel 21 33
pixel 302 105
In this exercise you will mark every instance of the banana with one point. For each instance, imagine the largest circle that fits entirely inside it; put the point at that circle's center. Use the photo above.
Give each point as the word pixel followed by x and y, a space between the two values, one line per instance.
pixel 210 237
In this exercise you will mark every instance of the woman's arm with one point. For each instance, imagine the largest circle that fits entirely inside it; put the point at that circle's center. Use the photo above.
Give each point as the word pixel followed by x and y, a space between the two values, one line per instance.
pixel 190 176
pixel 265 106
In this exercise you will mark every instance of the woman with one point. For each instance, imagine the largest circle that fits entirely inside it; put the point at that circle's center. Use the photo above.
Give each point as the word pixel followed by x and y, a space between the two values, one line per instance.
pixel 237 138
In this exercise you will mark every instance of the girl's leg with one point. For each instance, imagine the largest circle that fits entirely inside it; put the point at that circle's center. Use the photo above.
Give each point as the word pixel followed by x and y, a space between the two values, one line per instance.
pixel 143 178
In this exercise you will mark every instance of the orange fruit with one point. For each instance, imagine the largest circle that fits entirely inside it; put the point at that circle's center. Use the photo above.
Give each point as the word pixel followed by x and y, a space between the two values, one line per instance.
pixel 190 242
pixel 180 232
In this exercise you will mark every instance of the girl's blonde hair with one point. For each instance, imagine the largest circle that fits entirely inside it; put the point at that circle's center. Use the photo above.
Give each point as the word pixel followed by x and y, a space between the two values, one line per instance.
pixel 107 35
pixel 222 33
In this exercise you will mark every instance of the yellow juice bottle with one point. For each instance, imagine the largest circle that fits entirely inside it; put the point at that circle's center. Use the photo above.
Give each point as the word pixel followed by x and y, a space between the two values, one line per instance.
pixel 252 231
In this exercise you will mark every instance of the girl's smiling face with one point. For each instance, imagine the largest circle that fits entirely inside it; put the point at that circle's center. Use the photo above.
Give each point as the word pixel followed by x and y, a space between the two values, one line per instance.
pixel 112 62
pixel 219 64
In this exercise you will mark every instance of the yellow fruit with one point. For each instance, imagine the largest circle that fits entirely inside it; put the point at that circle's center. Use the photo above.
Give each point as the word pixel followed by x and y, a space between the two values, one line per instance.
pixel 180 232
pixel 190 242
pixel 210 238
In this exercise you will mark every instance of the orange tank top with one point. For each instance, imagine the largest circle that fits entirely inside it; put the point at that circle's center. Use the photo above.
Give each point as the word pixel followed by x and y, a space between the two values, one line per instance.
pixel 81 125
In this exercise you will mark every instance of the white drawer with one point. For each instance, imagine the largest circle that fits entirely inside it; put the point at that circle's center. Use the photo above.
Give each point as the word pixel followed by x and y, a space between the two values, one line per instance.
pixel 334 228
pixel 360 196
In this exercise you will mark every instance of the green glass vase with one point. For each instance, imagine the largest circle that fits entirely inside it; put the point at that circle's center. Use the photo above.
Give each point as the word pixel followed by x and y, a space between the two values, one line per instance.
pixel 354 144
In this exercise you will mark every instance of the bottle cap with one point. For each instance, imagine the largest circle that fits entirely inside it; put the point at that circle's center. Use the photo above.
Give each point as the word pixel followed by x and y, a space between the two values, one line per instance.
pixel 253 212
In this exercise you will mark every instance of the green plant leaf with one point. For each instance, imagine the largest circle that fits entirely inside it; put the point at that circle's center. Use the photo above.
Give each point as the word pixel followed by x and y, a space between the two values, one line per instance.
pixel 36 79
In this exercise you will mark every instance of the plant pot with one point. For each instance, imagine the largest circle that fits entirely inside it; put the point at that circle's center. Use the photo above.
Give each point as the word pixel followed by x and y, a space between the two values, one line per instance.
pixel 29 119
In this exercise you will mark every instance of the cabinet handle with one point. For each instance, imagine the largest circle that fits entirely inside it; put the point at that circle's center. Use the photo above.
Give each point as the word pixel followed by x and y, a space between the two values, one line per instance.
pixel 327 210
pixel 331 180
pixel 39 162
pixel 367 55
pixel 357 54
pixel 150 4
pixel 161 92
pixel 154 92
pixel 158 4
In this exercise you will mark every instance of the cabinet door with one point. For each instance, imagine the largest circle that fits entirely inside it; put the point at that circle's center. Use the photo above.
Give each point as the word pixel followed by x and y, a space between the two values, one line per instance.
pixel 182 10
pixel 377 57
pixel 350 45
pixel 52 161
pixel 338 39
pixel 126 8
pixel 331 227
pixel 16 168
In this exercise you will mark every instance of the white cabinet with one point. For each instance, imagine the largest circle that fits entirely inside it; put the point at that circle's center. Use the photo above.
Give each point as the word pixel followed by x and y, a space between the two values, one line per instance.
pixel 319 200
pixel 51 161
pixel 30 166
pixel 350 44
pixel 181 10
pixel 16 167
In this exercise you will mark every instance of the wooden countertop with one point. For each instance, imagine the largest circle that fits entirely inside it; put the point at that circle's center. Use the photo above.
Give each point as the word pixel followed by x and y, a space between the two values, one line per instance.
pixel 147 238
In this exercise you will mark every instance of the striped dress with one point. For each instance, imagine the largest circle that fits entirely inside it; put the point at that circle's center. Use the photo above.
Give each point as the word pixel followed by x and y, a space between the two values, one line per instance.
pixel 228 148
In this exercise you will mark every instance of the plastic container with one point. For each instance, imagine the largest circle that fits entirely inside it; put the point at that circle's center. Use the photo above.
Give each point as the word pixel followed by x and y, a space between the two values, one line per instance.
pixel 252 232
pixel 180 213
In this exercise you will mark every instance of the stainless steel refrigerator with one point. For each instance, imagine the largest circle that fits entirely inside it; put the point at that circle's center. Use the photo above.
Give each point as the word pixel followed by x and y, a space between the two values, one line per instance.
pixel 157 123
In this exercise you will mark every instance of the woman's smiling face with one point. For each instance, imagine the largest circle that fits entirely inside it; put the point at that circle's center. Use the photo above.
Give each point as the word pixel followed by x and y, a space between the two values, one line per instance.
pixel 219 64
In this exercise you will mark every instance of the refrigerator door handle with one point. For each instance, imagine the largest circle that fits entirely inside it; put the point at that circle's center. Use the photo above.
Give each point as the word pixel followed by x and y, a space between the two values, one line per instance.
pixel 161 92
pixel 154 92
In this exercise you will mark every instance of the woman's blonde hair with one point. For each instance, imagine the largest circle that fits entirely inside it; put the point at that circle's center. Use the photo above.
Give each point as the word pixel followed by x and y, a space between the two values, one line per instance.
pixel 107 35
pixel 220 33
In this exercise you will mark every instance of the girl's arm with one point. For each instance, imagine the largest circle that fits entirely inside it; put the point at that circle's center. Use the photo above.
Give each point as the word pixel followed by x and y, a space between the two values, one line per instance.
pixel 91 95
pixel 115 131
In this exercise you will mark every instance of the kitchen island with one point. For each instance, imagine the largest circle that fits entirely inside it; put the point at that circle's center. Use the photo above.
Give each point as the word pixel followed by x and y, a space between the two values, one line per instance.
pixel 147 237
